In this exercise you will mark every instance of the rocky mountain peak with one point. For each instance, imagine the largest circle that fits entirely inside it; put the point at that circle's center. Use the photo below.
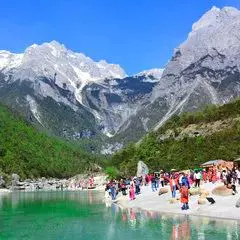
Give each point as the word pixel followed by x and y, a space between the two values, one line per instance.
pixel 217 31
pixel 54 48
pixel 205 69
pixel 55 57
pixel 215 16
pixel 70 70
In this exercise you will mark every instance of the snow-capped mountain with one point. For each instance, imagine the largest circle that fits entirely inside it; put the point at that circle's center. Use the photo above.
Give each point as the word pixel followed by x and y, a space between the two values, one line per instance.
pixel 71 95
pixel 154 74
pixel 205 69
pixel 68 93
pixel 114 101
pixel 52 60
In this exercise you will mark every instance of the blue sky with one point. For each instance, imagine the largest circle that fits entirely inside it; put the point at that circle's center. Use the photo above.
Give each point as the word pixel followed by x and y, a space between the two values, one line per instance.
pixel 137 34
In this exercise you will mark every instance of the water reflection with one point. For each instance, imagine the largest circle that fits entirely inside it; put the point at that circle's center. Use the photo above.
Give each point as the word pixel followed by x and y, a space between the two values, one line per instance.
pixel 112 222
pixel 183 227
pixel 87 197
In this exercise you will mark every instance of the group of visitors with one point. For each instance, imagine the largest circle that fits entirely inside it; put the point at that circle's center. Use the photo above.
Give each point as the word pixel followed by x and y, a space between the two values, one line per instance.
pixel 226 175
pixel 113 187
pixel 178 181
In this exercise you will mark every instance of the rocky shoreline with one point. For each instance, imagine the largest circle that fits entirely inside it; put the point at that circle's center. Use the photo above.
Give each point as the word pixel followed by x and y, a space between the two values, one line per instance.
pixel 78 182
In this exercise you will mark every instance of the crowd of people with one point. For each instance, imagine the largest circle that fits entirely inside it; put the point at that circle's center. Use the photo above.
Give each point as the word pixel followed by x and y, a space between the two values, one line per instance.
pixel 181 181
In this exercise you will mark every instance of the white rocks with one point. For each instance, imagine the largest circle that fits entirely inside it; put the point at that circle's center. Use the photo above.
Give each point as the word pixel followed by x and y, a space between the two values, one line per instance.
pixel 2 182
pixel 142 169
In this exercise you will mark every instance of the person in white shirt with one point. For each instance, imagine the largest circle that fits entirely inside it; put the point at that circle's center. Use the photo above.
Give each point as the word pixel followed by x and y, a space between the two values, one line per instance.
pixel 197 176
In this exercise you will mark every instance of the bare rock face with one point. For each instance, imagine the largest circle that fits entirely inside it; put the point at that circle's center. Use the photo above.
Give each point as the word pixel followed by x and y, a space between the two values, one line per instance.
pixel 222 191
pixel 2 182
pixel 142 169
pixel 15 179
pixel 163 191
pixel 203 70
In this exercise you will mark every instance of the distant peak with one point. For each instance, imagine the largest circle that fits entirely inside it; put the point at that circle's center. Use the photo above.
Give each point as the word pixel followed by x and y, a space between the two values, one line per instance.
pixel 155 72
pixel 103 62
pixel 214 15
pixel 56 44
pixel 215 9
pixel 52 44
pixel 34 45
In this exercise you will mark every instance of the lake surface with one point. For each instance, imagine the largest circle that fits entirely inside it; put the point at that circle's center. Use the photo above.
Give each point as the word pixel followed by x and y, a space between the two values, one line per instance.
pixel 83 215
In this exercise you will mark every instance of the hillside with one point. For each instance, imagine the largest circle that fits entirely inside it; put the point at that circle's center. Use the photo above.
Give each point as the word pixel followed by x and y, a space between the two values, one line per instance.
pixel 71 96
pixel 186 141
pixel 29 153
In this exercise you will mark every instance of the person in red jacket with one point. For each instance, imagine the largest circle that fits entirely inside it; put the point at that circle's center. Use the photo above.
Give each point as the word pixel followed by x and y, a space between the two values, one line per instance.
pixel 173 184
pixel 184 196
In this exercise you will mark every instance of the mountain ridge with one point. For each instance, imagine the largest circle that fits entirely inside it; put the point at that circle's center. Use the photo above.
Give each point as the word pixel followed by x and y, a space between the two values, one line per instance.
pixel 186 141
pixel 74 97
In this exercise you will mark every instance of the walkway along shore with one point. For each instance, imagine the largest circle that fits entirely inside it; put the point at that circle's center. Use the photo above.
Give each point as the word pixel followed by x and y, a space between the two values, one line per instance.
pixel 225 206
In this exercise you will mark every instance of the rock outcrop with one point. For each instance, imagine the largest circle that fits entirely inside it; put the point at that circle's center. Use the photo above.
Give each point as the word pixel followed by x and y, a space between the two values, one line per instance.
pixel 78 182
pixel 222 191
pixel 142 169
pixel 162 191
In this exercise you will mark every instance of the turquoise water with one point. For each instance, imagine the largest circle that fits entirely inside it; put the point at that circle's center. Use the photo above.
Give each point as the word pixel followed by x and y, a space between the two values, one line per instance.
pixel 83 215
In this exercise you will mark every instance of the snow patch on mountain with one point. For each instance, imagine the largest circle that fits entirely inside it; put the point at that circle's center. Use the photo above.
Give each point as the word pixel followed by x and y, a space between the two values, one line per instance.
pixel 53 60
pixel 9 60
pixel 34 108
pixel 152 75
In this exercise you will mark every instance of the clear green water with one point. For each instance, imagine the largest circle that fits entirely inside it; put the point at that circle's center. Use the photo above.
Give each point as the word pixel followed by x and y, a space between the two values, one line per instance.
pixel 83 215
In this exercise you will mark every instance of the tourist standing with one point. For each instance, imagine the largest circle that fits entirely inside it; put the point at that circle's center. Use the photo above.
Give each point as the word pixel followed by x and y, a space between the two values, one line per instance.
pixel 123 187
pixel 162 178
pixel 113 190
pixel 234 175
pixel 132 191
pixel 173 184
pixel 185 180
pixel 184 196
pixel 146 180
pixel 157 181
pixel 180 179
pixel 153 183
pixel 198 176
pixel 224 177
pixel 137 185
